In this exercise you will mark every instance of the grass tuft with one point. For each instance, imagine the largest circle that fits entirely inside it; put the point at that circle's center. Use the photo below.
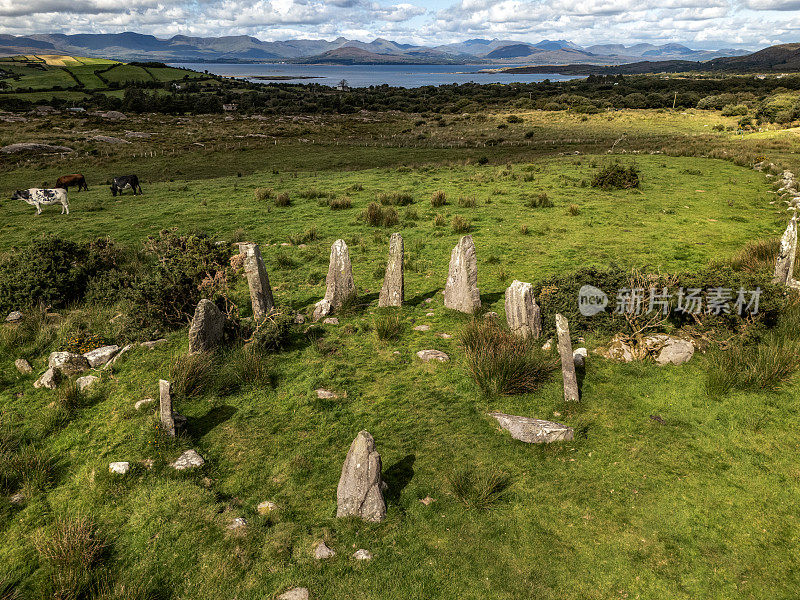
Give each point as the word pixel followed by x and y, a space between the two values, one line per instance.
pixel 190 374
pixel 388 326
pixel 478 490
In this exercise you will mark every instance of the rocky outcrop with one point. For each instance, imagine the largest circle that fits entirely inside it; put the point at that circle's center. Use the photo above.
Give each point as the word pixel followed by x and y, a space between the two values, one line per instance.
pixel 360 492
pixel 393 290
pixel 461 290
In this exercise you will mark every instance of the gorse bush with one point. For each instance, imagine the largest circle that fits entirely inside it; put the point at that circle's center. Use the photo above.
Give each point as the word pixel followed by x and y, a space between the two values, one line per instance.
pixel 757 257
pixel 502 363
pixel 263 194
pixel 467 201
pixel 573 210
pixel 616 177
pixel 439 221
pixel 273 332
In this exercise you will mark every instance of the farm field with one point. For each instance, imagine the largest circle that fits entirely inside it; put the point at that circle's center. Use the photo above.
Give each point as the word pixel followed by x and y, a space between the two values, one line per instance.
pixel 670 489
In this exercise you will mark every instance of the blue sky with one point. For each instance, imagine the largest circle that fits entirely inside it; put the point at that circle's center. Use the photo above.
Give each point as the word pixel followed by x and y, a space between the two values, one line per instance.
pixel 708 24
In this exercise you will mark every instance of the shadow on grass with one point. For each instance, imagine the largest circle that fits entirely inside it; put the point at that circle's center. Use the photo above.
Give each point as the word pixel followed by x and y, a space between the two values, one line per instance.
pixel 398 476
pixel 200 426
pixel 420 298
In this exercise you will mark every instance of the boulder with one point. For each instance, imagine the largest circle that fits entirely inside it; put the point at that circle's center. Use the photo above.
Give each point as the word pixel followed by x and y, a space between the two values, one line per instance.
pixel 84 383
pixel 321 552
pixel 297 593
pixel 579 357
pixel 522 313
pixel 429 355
pixel 619 349
pixel 49 379
pixel 120 468
pixel 571 392
pixel 68 362
pixel 323 394
pixel 188 460
pixel 143 403
pixel 257 280
pixel 360 492
pixel 673 350
pixel 101 356
pixel 23 366
pixel 207 328
pixel 237 524
pixel 393 290
pixel 14 316
pixel 533 431
pixel 461 290
pixel 339 285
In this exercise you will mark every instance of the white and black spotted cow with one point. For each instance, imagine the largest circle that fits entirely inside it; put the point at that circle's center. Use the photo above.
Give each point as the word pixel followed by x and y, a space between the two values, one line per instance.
pixel 41 197
pixel 126 182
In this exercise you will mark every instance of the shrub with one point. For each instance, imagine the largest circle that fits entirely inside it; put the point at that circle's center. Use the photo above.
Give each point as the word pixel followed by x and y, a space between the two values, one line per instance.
pixel 467 201
pixel 190 374
pixel 82 342
pixel 273 332
pixel 411 214
pixel 734 110
pixel 513 119
pixel 340 203
pixel 283 199
pixel 502 363
pixel 284 261
pixel 388 326
pixel 478 489
pixel 461 225
pixel 616 177
pixel 539 201
pixel 263 194
pixel 438 198
pixel 309 235
pixel 72 549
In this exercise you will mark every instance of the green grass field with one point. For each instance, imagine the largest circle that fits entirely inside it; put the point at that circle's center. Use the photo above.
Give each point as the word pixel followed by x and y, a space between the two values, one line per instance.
pixel 701 506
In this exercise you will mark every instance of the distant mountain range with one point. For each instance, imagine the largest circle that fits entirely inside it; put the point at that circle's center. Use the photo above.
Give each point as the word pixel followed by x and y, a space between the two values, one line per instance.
pixel 135 46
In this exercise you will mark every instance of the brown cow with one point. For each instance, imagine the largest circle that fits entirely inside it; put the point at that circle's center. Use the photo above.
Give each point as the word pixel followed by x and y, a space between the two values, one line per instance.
pixel 65 181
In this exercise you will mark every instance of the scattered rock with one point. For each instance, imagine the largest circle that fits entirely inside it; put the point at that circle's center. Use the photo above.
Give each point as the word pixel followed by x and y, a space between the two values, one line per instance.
pixel 422 328
pixel 331 321
pixel 107 139
pixel 120 468
pixel 619 349
pixel 206 331
pixel 188 460
pixel 144 402
pixel 522 313
pixel 393 290
pixel 49 379
pixel 428 300
pixel 84 383
pixel 430 314
pixel 101 356
pixel 429 355
pixel 362 554
pixel 327 394
pixel 548 345
pixel 17 498
pixel 427 500
pixel 14 316
pixel 533 431
pixel 154 343
pixel 675 351
pixel 322 552
pixel 34 147
pixel 461 290
pixel 237 524
pixel 490 315
pixel 23 366
pixel 299 319
pixel 113 115
pixel 444 336
pixel 298 593
pixel 359 492
pixel 266 507
pixel 658 419
pixel 339 285
pixel 69 363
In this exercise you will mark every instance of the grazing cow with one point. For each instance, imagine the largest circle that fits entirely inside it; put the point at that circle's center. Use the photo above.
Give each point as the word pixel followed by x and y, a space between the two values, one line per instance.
pixel 124 183
pixel 67 181
pixel 39 197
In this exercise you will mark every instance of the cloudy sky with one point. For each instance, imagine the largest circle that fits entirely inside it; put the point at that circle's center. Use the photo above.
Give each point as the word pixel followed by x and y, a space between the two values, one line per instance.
pixel 699 23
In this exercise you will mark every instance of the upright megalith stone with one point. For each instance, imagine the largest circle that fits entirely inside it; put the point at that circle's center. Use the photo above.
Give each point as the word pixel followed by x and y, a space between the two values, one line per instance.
pixel 461 290
pixel 208 324
pixel 393 290
pixel 257 280
pixel 339 286
pixel 360 492
pixel 784 265
pixel 522 313
pixel 571 393
pixel 165 409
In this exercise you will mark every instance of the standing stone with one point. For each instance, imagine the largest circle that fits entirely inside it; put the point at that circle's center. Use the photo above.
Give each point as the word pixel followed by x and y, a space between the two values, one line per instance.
pixel 461 290
pixel 784 265
pixel 339 282
pixel 257 280
pixel 567 360
pixel 522 313
pixel 393 290
pixel 359 493
pixel 165 409
pixel 208 323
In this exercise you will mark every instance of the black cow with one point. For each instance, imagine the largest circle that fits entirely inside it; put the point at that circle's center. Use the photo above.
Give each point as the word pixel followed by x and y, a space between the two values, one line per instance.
pixel 124 183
